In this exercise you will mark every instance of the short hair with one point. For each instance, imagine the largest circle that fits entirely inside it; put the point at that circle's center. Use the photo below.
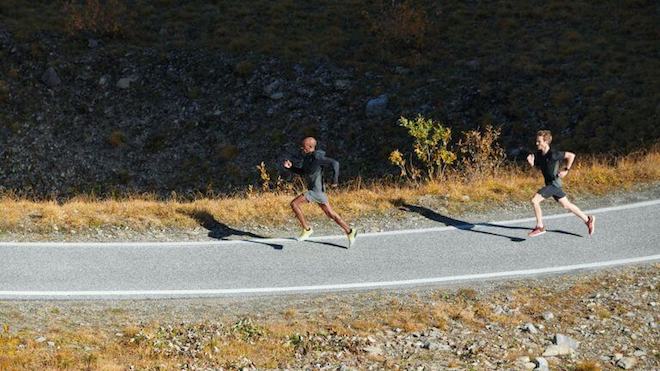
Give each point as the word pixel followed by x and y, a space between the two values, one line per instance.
pixel 545 134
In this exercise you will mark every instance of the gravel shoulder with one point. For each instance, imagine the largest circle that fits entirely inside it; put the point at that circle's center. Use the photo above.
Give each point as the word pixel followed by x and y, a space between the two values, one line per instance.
pixel 606 319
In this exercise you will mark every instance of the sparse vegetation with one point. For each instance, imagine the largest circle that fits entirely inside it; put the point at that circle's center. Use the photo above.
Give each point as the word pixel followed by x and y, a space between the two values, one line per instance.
pixel 97 17
pixel 472 324
pixel 431 142
pixel 480 152
pixel 356 200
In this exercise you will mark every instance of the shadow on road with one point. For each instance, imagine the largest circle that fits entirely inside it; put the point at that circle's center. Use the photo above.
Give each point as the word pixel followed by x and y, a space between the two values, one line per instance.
pixel 560 231
pixel 221 231
pixel 463 225
pixel 459 224
pixel 327 244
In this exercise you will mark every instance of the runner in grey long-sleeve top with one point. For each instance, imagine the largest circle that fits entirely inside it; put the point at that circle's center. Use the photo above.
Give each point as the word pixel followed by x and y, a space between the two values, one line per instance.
pixel 312 170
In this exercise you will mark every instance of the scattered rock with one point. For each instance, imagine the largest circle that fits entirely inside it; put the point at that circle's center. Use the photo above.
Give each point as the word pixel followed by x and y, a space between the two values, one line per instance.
pixel 563 340
pixel 401 70
pixel 435 346
pixel 626 363
pixel 541 364
pixel 374 350
pixel 342 84
pixel 529 327
pixel 557 350
pixel 377 106
pixel 273 87
pixel 51 78
pixel 277 96
pixel 125 82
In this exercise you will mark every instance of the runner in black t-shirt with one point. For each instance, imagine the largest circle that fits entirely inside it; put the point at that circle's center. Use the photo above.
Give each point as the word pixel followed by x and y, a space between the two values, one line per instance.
pixel 549 162
pixel 312 170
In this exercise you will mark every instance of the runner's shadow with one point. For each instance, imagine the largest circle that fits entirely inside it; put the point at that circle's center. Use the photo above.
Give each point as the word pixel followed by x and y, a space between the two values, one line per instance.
pixel 221 231
pixel 458 224
pixel 327 244
pixel 560 231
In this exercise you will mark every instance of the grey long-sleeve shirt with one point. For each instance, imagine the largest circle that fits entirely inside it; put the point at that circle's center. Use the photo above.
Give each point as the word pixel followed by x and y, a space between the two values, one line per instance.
pixel 312 170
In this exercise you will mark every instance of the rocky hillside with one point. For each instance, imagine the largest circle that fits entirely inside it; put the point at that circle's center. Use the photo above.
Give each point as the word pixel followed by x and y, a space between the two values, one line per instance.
pixel 191 96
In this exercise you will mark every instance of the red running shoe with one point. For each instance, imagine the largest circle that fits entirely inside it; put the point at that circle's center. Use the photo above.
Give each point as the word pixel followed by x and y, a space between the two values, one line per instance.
pixel 591 224
pixel 537 231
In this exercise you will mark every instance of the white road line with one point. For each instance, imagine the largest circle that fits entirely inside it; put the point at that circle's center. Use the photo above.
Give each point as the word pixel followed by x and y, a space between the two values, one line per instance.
pixel 320 238
pixel 319 288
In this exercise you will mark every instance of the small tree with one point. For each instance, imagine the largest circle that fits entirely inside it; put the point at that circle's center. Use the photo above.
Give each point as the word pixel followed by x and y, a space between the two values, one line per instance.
pixel 430 147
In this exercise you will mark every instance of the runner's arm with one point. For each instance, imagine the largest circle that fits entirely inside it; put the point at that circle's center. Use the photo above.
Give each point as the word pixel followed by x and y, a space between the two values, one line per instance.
pixel 289 166
pixel 327 161
pixel 569 157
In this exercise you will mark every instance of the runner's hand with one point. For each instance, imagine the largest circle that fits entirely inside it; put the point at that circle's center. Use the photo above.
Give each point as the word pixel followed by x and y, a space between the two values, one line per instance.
pixel 563 173
pixel 530 159
pixel 287 164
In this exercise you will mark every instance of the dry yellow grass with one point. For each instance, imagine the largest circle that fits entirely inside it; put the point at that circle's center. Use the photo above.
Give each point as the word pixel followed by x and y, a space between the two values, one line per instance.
pixel 591 176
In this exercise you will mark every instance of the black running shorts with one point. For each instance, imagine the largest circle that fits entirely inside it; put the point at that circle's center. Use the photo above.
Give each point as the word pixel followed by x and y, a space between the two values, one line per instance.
pixel 552 191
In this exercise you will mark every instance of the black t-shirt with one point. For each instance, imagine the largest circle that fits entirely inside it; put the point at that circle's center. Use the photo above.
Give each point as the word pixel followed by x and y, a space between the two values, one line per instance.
pixel 549 165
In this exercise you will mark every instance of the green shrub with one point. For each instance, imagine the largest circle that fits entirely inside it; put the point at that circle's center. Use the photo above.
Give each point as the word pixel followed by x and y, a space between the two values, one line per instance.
pixel 430 147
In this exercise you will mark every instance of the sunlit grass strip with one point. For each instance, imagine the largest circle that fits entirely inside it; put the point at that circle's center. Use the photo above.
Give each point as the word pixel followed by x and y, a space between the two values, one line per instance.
pixel 139 213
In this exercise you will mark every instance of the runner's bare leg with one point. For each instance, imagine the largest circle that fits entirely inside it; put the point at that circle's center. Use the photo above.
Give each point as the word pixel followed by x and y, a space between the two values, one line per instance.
pixel 572 208
pixel 327 209
pixel 295 205
pixel 536 201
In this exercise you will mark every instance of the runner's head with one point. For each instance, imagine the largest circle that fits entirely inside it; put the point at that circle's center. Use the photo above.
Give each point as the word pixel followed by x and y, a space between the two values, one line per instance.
pixel 308 145
pixel 543 139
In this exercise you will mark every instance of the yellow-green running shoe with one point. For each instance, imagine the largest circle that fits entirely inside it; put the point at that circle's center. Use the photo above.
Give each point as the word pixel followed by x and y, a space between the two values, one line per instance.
pixel 351 237
pixel 305 234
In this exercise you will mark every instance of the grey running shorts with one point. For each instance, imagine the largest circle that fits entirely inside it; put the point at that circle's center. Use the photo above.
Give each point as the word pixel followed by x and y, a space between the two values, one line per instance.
pixel 552 191
pixel 318 197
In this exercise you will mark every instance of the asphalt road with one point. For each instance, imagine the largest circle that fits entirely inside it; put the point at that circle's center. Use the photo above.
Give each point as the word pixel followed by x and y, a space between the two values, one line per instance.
pixel 455 251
